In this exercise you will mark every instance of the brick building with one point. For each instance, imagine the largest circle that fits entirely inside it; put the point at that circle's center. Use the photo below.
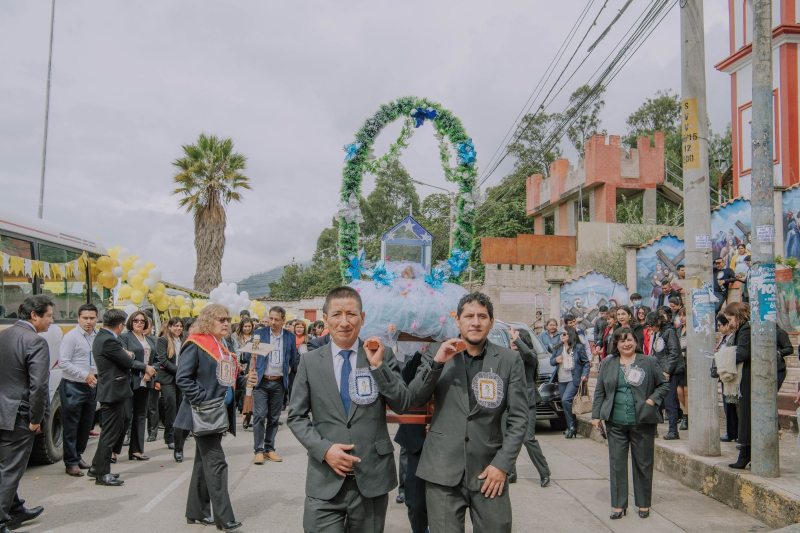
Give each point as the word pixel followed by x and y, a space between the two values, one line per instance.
pixel 590 192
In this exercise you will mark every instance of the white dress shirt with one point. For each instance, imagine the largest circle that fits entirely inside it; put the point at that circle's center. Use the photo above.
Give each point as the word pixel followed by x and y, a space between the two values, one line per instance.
pixel 277 342
pixel 75 355
pixel 338 361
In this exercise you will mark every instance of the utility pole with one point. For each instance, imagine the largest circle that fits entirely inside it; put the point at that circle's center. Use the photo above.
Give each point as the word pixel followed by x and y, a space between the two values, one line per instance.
pixel 47 108
pixel 703 409
pixel 765 460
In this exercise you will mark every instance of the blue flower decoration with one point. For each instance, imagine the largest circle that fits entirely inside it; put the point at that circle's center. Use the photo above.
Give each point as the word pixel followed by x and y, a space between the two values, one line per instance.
pixel 420 114
pixel 436 278
pixel 380 276
pixel 459 260
pixel 356 263
pixel 350 150
pixel 466 153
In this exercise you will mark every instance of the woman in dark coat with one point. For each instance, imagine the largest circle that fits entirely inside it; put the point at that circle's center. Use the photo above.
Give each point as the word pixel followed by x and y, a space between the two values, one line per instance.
pixel 202 359
pixel 666 348
pixel 738 315
pixel 168 349
pixel 630 386
pixel 144 350
pixel 572 368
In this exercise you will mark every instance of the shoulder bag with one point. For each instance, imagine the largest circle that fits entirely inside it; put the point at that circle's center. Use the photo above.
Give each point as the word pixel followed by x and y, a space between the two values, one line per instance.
pixel 210 417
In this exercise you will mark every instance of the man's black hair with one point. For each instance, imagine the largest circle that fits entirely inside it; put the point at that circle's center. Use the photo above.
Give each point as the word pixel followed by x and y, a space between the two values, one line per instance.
pixel 87 307
pixel 666 310
pixel 244 312
pixel 340 293
pixel 34 304
pixel 676 301
pixel 478 297
pixel 569 317
pixel 114 317
pixel 278 309
pixel 636 296
pixel 603 308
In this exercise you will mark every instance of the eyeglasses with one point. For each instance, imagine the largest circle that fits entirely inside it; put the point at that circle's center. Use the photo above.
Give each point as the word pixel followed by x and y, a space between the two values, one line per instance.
pixel 139 321
pixel 224 320
pixel 565 334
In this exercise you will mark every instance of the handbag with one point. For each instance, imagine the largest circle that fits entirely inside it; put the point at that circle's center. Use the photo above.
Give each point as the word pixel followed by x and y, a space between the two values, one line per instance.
pixel 714 373
pixel 210 417
pixel 582 403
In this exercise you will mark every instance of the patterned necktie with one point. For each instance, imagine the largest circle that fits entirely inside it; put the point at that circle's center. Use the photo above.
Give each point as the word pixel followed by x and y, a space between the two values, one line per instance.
pixel 344 380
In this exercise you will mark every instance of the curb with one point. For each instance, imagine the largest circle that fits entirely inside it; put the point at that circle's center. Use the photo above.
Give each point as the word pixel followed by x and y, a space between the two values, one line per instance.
pixel 744 492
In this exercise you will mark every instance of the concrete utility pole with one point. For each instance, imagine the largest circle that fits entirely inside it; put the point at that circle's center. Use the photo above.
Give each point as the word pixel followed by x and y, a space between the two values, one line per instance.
pixel 703 409
pixel 765 460
pixel 47 108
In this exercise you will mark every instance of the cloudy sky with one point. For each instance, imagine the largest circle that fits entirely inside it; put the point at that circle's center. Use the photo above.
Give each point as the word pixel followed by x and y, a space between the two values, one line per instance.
pixel 290 83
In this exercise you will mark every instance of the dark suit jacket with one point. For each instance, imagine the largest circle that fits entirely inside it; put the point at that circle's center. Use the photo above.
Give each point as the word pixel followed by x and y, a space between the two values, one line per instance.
pixel 669 357
pixel 114 367
pixel 197 380
pixel 531 362
pixel 25 375
pixel 663 299
pixel 581 368
pixel 166 366
pixel 131 343
pixel 411 436
pixel 654 387
pixel 319 342
pixel 290 357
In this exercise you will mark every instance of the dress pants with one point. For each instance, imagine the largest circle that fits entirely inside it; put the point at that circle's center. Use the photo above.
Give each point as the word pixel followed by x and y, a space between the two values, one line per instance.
pixel 78 405
pixel 115 420
pixel 267 406
pixel 137 418
pixel 401 470
pixel 15 449
pixel 641 440
pixel 731 419
pixel 567 390
pixel 363 515
pixel 172 400
pixel 671 403
pixel 415 495
pixel 533 447
pixel 152 410
pixel 209 485
pixel 447 508
pixel 744 408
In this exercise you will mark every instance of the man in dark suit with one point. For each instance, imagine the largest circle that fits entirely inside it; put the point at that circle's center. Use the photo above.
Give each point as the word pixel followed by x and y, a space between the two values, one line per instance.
pixel 114 365
pixel 24 402
pixel 273 383
pixel 667 292
pixel 319 342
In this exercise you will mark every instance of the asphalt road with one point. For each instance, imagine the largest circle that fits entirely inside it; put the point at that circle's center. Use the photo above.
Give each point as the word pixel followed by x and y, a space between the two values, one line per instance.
pixel 269 498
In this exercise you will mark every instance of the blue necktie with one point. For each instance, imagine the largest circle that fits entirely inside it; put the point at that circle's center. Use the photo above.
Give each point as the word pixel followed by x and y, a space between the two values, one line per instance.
pixel 344 380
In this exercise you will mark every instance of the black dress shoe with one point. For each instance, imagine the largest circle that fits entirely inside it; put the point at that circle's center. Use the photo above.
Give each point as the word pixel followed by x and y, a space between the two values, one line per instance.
pixel 617 515
pixel 178 457
pixel 233 524
pixel 545 480
pixel 744 459
pixel 93 475
pixel 726 439
pixel 138 458
pixel 25 515
pixel 152 437
pixel 571 433
pixel 201 521
pixel 400 498
pixel 171 445
pixel 126 442
pixel 113 460
pixel 109 480
pixel 684 423
pixel 644 514
pixel 672 435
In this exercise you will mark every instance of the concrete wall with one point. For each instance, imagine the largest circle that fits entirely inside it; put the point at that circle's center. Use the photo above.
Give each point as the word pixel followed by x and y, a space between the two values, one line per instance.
pixel 298 307
pixel 599 235
pixel 517 292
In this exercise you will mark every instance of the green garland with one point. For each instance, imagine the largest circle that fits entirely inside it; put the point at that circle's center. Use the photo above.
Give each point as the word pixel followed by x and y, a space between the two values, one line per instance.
pixel 448 127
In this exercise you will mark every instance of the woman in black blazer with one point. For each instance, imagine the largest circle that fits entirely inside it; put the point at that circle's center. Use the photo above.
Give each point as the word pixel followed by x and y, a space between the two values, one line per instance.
pixel 738 315
pixel 144 350
pixel 572 368
pixel 202 356
pixel 630 387
pixel 168 349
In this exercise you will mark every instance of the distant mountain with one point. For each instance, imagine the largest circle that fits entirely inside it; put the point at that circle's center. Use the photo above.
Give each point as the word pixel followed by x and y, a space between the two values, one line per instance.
pixel 257 285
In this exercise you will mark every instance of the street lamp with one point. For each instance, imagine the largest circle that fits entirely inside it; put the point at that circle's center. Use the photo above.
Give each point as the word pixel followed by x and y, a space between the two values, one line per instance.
pixel 452 197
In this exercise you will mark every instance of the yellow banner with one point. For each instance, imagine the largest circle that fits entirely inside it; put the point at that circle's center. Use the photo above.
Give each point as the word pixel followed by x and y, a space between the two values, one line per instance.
pixel 690 139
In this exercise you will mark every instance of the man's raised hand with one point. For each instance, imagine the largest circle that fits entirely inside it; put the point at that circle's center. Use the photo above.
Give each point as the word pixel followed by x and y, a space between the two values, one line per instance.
pixel 447 350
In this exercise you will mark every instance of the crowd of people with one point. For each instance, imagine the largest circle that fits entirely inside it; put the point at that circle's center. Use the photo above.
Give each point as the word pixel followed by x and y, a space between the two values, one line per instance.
pixel 190 379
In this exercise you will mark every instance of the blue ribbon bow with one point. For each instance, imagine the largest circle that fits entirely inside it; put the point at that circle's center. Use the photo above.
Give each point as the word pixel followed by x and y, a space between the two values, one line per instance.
pixel 356 263
pixel 436 278
pixel 458 261
pixel 466 153
pixel 420 114
pixel 381 276
pixel 350 150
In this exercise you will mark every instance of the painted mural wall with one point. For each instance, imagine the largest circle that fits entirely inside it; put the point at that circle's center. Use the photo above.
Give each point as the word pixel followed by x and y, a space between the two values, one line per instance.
pixel 582 297
pixel 730 225
pixel 655 263
pixel 788 281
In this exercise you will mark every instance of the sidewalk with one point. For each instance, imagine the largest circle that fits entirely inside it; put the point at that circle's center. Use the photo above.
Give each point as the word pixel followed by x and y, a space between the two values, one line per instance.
pixel 773 501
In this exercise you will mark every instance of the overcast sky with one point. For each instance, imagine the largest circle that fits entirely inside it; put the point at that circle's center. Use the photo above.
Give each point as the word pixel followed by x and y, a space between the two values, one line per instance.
pixel 290 83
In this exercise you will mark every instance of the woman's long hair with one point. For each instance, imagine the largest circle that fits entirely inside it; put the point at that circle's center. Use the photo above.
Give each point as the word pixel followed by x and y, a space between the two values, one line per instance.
pixel 630 312
pixel 166 332
pixel 526 338
pixel 572 338
pixel 241 338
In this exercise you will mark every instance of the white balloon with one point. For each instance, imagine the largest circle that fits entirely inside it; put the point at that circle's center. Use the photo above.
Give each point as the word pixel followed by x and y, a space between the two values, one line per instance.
pixel 225 300
pixel 117 272
pixel 232 288
pixel 123 254
pixel 156 274
pixel 131 273
pixel 150 283
pixel 245 295
pixel 139 263
pixel 130 309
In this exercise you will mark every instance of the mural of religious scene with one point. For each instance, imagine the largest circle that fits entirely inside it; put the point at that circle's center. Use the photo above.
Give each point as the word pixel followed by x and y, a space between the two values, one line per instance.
pixel 655 262
pixel 791 223
pixel 730 225
pixel 583 296
pixel 788 280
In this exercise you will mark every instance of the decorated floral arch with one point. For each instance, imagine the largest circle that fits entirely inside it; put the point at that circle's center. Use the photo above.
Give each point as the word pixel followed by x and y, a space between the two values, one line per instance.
pixel 360 158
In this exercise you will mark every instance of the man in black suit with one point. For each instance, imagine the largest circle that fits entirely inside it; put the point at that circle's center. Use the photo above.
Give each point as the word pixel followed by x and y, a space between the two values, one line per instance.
pixel 24 402
pixel 114 365
pixel 667 292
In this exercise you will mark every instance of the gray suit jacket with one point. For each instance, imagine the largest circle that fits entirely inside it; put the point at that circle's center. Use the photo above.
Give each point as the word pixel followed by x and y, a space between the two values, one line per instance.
pixel 462 443
pixel 318 420
pixel 25 375
pixel 655 387
pixel 531 370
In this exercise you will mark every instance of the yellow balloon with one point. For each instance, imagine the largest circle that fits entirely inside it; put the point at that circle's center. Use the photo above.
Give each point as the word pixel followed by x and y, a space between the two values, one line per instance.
pixel 137 297
pixel 113 252
pixel 185 311
pixel 134 258
pixel 107 280
pixel 105 264
pixel 136 282
pixel 125 292
pixel 157 294
pixel 143 272
pixel 127 264
pixel 161 287
pixel 162 305
pixel 196 311
pixel 149 265
pixel 180 301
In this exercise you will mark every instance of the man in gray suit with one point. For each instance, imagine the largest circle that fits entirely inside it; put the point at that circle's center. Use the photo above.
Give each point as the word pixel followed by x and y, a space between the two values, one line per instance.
pixel 24 401
pixel 468 452
pixel 338 412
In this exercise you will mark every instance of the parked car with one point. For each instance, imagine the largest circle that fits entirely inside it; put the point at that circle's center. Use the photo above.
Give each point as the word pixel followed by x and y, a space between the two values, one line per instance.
pixel 550 406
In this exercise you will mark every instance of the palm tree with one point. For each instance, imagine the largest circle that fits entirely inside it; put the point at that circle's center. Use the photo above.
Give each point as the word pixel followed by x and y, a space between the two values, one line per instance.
pixel 209 177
